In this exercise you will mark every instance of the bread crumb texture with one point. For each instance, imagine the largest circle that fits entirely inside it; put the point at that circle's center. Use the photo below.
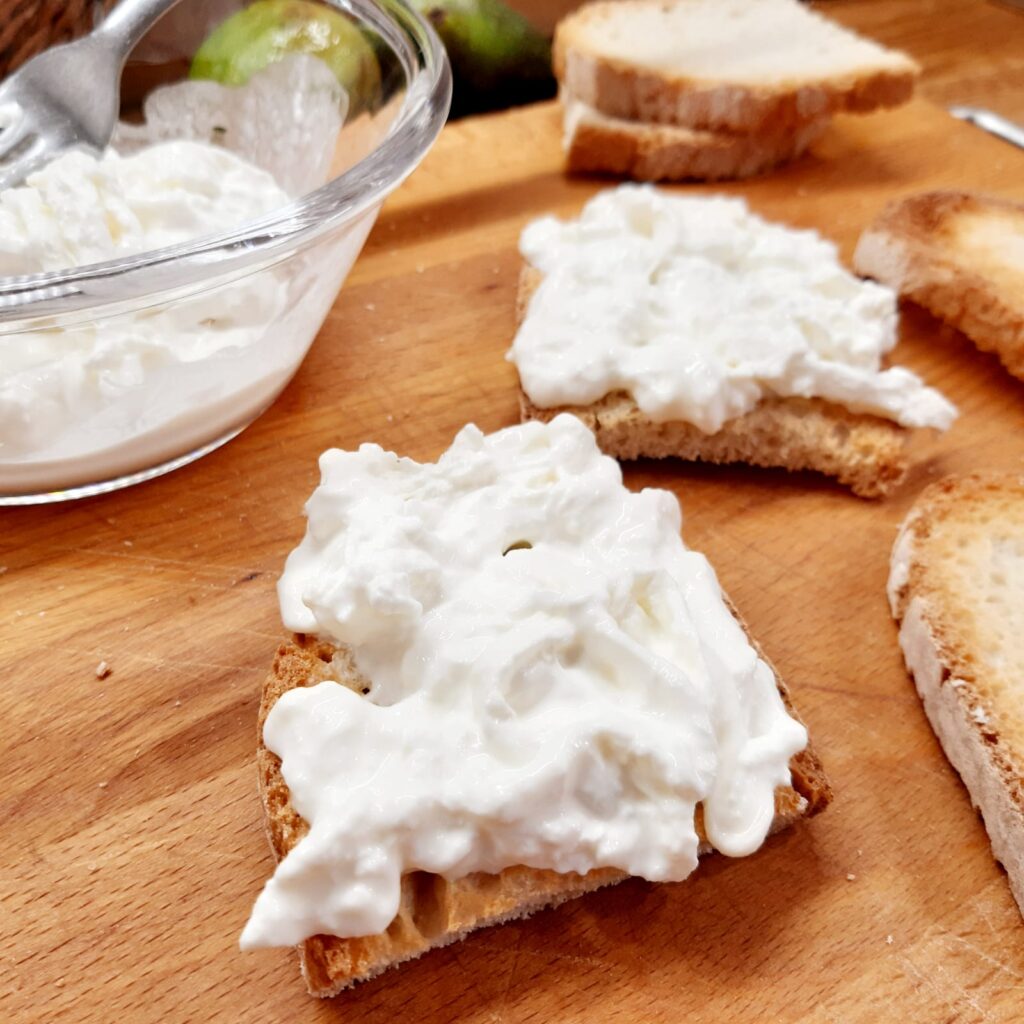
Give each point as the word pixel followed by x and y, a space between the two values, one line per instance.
pixel 968 568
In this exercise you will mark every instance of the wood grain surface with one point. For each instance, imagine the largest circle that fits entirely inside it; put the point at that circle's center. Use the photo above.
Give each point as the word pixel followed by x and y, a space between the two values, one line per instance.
pixel 133 844
pixel 970 51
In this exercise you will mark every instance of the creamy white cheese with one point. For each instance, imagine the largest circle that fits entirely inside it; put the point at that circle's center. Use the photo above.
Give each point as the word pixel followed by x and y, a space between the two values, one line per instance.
pixel 698 309
pixel 79 210
pixel 82 209
pixel 555 681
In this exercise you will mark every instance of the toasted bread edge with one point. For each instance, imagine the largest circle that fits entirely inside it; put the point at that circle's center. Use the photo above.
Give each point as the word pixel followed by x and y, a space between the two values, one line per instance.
pixel 865 453
pixel 597 143
pixel 940 666
pixel 626 90
pixel 905 248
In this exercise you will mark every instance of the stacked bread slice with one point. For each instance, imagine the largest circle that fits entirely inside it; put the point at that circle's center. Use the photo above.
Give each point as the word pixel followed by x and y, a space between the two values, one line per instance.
pixel 711 89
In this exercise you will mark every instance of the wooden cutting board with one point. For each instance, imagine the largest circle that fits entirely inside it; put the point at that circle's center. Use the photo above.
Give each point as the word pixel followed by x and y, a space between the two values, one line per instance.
pixel 132 835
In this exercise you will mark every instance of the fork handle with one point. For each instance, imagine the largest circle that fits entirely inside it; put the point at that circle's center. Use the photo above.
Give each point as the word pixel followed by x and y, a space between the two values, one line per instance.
pixel 129 21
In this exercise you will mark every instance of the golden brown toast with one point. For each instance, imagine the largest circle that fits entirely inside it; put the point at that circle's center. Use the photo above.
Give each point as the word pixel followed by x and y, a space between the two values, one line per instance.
pixel 866 453
pixel 434 911
pixel 957 589
pixel 959 255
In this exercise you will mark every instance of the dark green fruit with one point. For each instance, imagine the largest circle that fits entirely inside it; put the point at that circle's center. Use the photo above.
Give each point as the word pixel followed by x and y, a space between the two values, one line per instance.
pixel 498 58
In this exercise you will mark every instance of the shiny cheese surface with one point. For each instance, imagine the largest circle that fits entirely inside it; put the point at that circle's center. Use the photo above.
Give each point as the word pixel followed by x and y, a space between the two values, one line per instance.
pixel 554 681
pixel 698 308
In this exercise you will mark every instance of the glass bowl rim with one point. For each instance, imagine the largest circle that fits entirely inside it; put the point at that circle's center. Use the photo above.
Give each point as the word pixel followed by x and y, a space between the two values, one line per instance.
pixel 266 241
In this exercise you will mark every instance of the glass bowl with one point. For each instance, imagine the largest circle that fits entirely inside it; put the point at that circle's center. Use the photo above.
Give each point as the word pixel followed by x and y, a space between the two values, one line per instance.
pixel 233 314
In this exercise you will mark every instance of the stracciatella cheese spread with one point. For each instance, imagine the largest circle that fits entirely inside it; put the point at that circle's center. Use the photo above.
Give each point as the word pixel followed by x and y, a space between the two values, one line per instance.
pixel 555 681
pixel 83 209
pixel 57 385
pixel 698 308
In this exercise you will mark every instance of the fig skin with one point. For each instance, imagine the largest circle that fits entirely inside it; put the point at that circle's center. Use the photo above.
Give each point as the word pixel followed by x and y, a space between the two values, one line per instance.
pixel 268 30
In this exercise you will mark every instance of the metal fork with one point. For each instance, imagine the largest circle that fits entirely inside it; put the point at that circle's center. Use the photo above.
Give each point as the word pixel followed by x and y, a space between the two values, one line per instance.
pixel 68 96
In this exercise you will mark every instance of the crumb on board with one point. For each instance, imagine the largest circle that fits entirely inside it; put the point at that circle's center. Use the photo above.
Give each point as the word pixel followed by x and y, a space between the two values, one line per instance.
pixel 851 877
pixel 888 940
pixel 103 670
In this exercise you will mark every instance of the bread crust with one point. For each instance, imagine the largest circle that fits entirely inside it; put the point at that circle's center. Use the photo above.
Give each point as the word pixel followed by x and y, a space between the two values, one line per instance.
pixel 626 90
pixel 435 912
pixel 912 247
pixel 865 453
pixel 947 662
pixel 597 143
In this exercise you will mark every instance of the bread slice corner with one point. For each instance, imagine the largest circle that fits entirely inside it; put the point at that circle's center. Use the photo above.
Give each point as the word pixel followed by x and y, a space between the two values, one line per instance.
pixel 866 453
pixel 597 143
pixel 956 588
pixel 726 65
pixel 434 911
pixel 961 257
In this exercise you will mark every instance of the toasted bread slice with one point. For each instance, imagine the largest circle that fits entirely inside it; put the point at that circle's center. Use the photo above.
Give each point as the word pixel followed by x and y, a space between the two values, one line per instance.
pixel 434 911
pixel 726 65
pixel 961 256
pixel 595 142
pixel 865 453
pixel 956 587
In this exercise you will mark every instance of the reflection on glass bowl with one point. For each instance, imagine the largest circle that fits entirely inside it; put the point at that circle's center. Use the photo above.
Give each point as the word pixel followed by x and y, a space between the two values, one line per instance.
pixel 119 370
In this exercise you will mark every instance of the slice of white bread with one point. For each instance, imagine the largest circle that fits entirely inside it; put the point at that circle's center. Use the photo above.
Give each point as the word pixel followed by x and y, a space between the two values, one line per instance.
pixel 596 142
pixel 732 65
pixel 959 255
pixel 956 587
pixel 864 452
pixel 435 912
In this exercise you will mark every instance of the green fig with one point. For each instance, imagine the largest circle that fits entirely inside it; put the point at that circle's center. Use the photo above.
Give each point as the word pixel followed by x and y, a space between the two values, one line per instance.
pixel 268 30
pixel 498 58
